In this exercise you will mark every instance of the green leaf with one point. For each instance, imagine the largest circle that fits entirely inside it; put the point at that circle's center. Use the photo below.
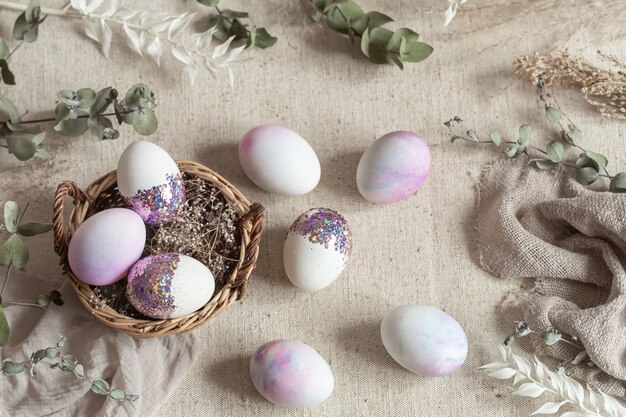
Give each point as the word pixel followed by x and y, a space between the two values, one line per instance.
pixel 42 300
pixel 79 370
pixel 132 397
pixel 380 37
pixel 376 19
pixel 416 51
pixel 472 135
pixel 555 151
pixel 600 160
pixel 21 147
pixel 496 138
pixel 10 367
pixel 137 94
pixel 12 214
pixel 5 331
pixel 86 97
pixel 232 14
pixel 117 394
pixel 100 386
pixel 21 27
pixel 551 337
pixel 5 73
pixel 33 229
pixel 32 11
pixel 553 114
pixel 401 34
pixel 38 138
pixel 14 252
pixel 618 183
pixel 52 353
pixel 263 39
pixel 587 175
pixel 72 127
pixel 43 154
pixel 14 115
pixel 545 164
pixel 210 3
pixel 525 134
pixel 4 49
pixel 575 135
pixel 145 122
pixel 511 152
pixel 68 97
pixel 103 99
pixel 339 15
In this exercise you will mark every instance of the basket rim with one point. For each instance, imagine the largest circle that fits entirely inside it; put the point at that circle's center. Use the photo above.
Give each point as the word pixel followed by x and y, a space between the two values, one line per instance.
pixel 250 228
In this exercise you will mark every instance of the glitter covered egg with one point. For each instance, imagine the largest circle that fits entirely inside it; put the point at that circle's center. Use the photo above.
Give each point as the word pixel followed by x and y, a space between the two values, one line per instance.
pixel 317 248
pixel 393 168
pixel 150 182
pixel 279 160
pixel 106 245
pixel 424 340
pixel 169 285
pixel 291 374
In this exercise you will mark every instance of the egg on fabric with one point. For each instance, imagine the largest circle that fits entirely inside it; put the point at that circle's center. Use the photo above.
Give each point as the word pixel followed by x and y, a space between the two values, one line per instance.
pixel 393 168
pixel 106 245
pixel 291 374
pixel 424 340
pixel 150 182
pixel 279 160
pixel 169 285
pixel 317 248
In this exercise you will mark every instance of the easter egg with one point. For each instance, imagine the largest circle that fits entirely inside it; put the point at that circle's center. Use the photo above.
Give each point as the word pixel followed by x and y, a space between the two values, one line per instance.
pixel 317 248
pixel 291 374
pixel 424 340
pixel 279 160
pixel 106 245
pixel 150 182
pixel 169 285
pixel 393 168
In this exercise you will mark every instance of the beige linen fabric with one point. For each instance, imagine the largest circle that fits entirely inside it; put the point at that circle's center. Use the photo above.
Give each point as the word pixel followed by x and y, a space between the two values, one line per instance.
pixel 415 251
pixel 545 225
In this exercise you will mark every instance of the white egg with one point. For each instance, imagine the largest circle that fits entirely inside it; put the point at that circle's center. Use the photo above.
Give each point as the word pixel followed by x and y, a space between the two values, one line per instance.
pixel 150 182
pixel 317 248
pixel 169 285
pixel 279 160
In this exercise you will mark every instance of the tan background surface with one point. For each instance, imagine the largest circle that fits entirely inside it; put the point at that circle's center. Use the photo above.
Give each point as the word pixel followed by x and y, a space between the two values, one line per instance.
pixel 416 251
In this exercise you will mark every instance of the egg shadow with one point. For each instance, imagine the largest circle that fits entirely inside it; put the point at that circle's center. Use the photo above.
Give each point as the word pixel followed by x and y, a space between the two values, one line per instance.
pixel 270 266
pixel 339 176
pixel 233 374
pixel 364 340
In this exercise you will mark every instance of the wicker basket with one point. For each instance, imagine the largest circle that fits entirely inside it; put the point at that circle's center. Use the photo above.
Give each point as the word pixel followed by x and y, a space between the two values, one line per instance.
pixel 103 194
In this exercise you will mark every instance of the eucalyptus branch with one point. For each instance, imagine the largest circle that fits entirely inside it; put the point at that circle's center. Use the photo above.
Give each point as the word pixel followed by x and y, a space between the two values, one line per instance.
pixel 65 363
pixel 378 44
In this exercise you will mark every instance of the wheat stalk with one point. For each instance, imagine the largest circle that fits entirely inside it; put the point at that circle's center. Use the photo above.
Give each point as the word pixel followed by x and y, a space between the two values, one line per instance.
pixel 584 402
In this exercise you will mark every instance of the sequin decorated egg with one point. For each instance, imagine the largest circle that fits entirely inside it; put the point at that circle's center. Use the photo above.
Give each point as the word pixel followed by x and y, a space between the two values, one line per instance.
pixel 150 182
pixel 279 160
pixel 424 340
pixel 317 248
pixel 106 245
pixel 393 168
pixel 291 374
pixel 169 285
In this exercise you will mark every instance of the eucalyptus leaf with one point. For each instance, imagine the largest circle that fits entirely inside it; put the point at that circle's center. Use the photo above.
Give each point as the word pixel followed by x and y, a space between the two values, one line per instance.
pixel 14 252
pixel 52 353
pixel 232 14
pixel 618 182
pixel 38 138
pixel 5 73
pixel 86 97
pixel 12 215
pixel 103 99
pixel 145 122
pixel 587 175
pixel 20 27
pixel 545 165
pixel 32 11
pixel 472 135
pixel 72 127
pixel 555 151
pixel 550 337
pixel 376 19
pixel 9 367
pixel 525 134
pixel 210 3
pixel 14 115
pixel 553 114
pixel 600 160
pixel 79 370
pixel 20 146
pixel 496 138
pixel 262 39
pixel 117 394
pixel 5 331
pixel 33 229
pixel 575 135
pixel 401 34
pixel 4 49
pixel 43 154
pixel 511 152
pixel 100 386
pixel 416 51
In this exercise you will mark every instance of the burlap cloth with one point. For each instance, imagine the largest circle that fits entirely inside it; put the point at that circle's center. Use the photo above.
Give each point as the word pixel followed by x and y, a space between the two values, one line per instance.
pixel 545 225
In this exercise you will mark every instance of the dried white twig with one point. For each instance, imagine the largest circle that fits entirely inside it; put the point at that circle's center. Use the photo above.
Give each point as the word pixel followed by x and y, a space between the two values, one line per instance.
pixel 149 33
pixel 453 6
pixel 540 379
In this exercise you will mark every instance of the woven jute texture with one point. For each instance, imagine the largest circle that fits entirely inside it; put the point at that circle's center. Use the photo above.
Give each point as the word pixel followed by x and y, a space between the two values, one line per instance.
pixel 545 225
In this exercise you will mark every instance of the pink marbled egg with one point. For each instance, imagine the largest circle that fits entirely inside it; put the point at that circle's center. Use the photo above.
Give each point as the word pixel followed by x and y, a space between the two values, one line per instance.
pixel 393 168
pixel 291 374
pixel 106 245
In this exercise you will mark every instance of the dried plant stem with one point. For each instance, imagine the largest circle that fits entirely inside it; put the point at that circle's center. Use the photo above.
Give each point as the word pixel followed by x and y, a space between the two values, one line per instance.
pixel 21 303
pixel 52 119
pixel 6 279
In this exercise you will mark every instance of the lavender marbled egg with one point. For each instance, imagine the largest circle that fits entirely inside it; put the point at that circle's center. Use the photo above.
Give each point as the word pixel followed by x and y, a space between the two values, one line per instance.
pixel 291 374
pixel 393 168
pixel 424 340
pixel 106 245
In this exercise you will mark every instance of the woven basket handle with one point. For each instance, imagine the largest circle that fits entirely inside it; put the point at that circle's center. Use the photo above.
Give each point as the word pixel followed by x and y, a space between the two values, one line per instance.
pixel 65 189
pixel 256 215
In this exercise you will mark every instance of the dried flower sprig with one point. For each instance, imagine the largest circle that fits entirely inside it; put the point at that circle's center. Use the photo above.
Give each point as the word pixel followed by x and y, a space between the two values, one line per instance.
pixel 589 167
pixel 77 112
pixel 148 33
pixel 605 89
pixel 52 357
pixel 228 24
pixel 453 6
pixel 540 379
pixel 378 44
pixel 14 255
